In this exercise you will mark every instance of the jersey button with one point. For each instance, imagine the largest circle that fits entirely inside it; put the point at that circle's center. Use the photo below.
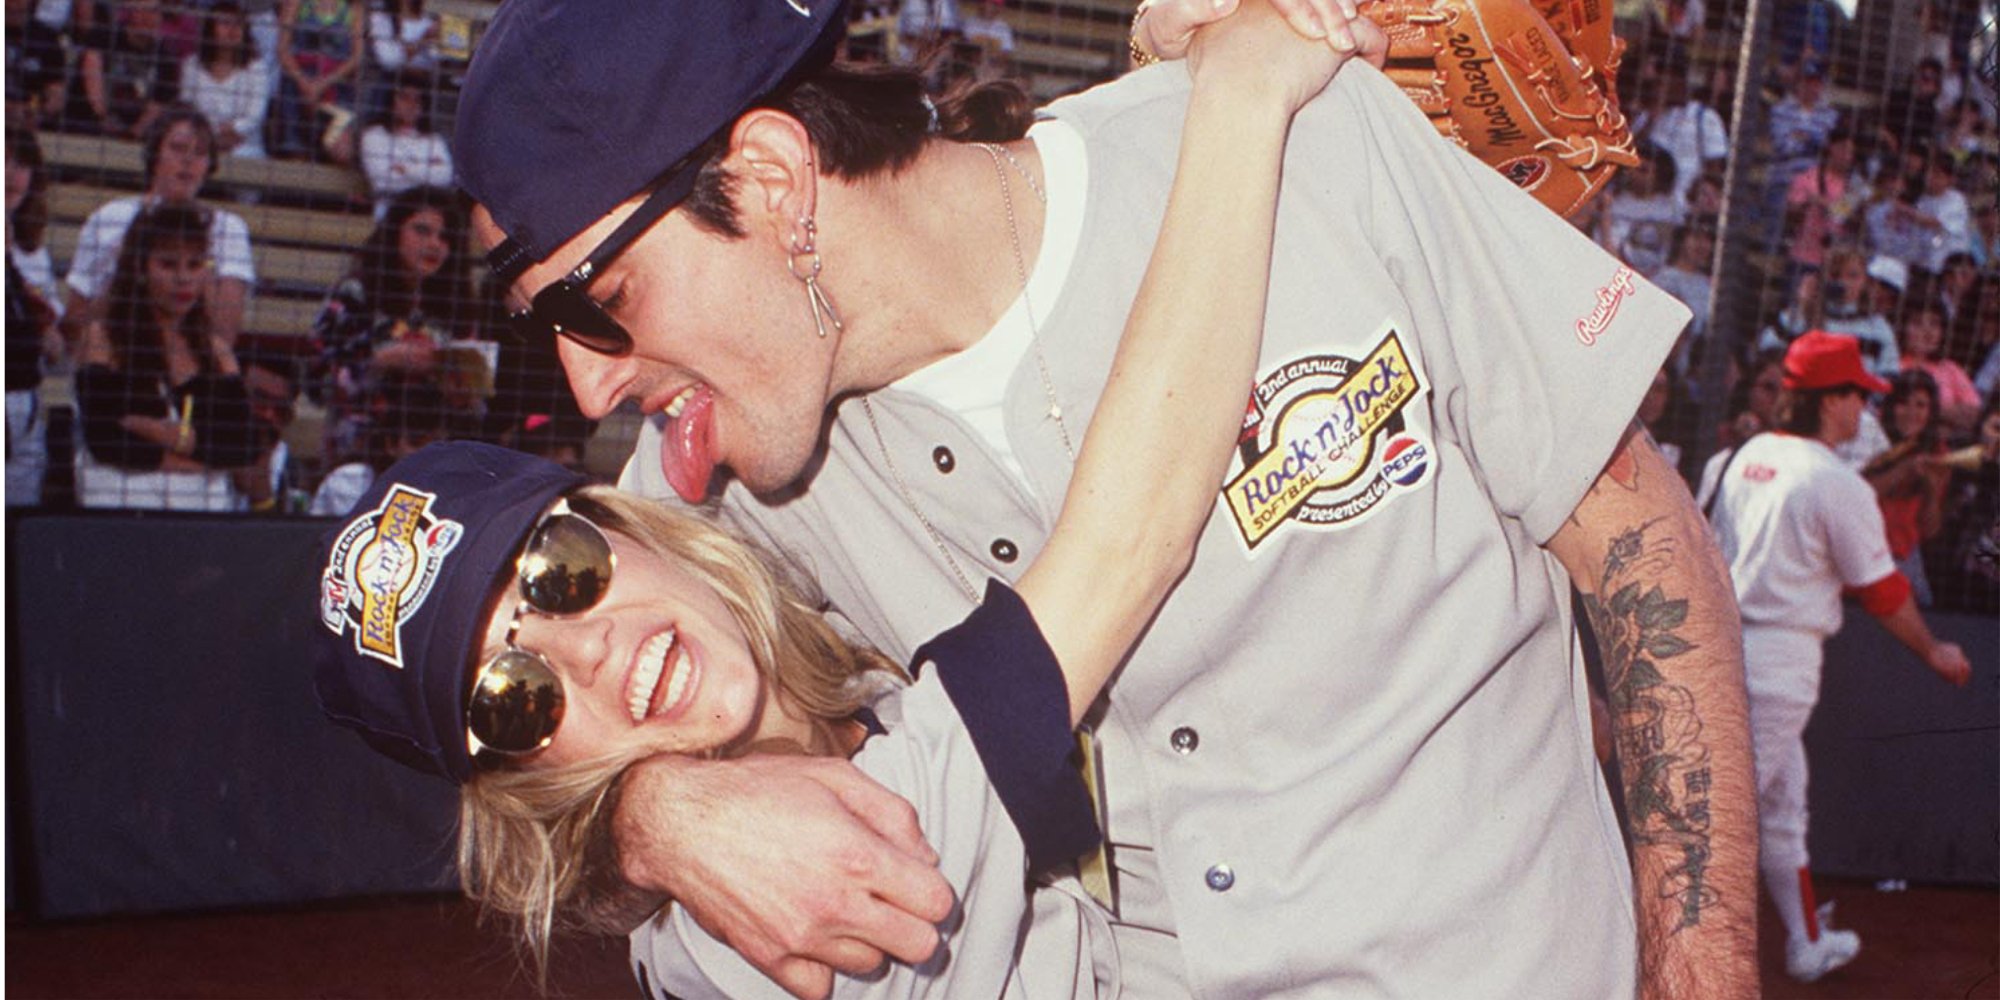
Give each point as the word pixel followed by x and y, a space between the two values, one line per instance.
pixel 1005 551
pixel 1184 740
pixel 942 457
pixel 1220 878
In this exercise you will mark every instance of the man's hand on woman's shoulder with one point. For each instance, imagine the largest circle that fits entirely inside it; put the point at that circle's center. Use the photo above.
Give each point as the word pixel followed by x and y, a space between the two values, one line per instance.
pixel 803 865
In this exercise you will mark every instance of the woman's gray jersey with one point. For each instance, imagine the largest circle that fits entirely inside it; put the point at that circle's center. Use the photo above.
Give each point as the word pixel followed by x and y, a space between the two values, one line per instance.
pixel 980 746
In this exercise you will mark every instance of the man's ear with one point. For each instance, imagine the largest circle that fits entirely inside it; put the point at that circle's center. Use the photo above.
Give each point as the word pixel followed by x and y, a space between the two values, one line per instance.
pixel 777 185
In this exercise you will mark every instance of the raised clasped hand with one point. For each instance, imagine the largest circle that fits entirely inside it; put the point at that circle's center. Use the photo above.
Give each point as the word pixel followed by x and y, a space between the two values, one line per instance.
pixel 1163 29
pixel 1257 47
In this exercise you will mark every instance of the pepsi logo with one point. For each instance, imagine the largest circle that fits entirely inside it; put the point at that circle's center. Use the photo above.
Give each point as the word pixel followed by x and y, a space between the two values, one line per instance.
pixel 1405 460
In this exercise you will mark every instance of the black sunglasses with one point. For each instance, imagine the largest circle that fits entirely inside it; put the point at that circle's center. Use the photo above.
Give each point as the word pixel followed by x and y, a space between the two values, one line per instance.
pixel 562 308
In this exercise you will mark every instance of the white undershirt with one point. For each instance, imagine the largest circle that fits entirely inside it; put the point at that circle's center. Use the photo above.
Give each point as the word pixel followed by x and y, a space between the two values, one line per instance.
pixel 973 382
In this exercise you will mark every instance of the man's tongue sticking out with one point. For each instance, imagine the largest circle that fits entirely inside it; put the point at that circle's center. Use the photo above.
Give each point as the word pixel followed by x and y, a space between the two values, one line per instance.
pixel 687 451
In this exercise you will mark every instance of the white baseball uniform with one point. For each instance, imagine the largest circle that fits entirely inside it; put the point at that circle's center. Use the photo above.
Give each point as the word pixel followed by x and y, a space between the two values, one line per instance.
pixel 1796 525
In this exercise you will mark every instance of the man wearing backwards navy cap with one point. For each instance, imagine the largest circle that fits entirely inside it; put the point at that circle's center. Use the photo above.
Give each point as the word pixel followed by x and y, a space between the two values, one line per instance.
pixel 1354 747
pixel 1798 527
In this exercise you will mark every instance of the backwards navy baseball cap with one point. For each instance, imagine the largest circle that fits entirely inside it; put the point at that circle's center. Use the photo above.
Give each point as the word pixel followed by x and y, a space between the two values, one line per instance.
pixel 404 590
pixel 573 106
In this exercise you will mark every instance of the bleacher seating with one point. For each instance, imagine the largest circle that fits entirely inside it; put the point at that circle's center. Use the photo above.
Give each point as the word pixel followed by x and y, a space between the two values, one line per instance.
pixel 306 220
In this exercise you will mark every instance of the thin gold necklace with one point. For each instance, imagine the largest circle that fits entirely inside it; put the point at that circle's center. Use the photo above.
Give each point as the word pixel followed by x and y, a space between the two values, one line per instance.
pixel 995 153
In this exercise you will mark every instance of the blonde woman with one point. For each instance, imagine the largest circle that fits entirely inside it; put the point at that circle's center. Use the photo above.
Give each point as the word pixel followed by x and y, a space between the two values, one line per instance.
pixel 493 619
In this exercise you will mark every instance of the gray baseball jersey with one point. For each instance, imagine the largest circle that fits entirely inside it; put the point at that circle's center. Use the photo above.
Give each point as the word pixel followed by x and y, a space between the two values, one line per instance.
pixel 1352 756
pixel 980 746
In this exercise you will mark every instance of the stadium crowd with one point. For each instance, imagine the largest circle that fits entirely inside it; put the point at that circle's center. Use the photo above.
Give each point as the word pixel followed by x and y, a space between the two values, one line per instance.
pixel 1871 213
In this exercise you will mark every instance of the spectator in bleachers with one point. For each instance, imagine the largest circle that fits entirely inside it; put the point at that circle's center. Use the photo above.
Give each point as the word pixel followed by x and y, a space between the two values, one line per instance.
pixel 921 24
pixel 987 28
pixel 1887 279
pixel 532 408
pixel 1912 110
pixel 1957 282
pixel 405 300
pixel 1657 413
pixel 1704 196
pixel 28 219
pixel 1943 213
pixel 1966 131
pixel 1800 126
pixel 227 81
pixel 1642 212
pixel 1804 33
pixel 403 151
pixel 404 36
pixel 166 419
pixel 1802 123
pixel 1677 23
pixel 560 438
pixel 1979 331
pixel 1686 127
pixel 1909 477
pixel 1923 344
pixel 401 35
pixel 32 340
pixel 179 157
pixel 1850 309
pixel 1687 277
pixel 1824 203
pixel 1965 561
pixel 403 414
pixel 319 51
pixel 271 377
pixel 36 67
pixel 126 75
pixel 1893 226
pixel 1753 405
pixel 1983 243
pixel 1806 310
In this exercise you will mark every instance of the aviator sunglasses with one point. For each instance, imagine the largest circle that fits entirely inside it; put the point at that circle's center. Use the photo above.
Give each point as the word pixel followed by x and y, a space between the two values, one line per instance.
pixel 516 702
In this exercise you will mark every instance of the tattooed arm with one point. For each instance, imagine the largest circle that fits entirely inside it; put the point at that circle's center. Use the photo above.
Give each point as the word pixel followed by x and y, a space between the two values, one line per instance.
pixel 1659 598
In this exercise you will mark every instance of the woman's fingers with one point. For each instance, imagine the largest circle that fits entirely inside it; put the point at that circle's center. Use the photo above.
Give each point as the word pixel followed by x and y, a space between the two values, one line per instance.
pixel 1162 29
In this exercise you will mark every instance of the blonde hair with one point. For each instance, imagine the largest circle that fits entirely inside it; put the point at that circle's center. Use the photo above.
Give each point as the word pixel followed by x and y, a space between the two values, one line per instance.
pixel 534 843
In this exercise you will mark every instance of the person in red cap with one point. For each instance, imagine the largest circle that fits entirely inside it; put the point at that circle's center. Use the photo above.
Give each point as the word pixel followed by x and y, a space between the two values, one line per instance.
pixel 1798 528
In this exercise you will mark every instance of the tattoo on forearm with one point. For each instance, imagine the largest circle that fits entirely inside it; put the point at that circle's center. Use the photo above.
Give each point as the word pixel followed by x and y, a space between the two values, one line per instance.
pixel 1663 756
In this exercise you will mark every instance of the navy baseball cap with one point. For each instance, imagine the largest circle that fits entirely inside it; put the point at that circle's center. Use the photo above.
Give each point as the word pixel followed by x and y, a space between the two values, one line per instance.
pixel 404 589
pixel 573 106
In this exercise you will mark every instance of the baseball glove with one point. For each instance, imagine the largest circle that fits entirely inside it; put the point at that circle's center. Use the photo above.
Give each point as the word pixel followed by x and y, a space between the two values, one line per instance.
pixel 1528 86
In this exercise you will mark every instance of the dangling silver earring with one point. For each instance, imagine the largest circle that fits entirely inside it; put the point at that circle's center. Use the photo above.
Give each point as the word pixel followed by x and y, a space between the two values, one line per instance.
pixel 822 307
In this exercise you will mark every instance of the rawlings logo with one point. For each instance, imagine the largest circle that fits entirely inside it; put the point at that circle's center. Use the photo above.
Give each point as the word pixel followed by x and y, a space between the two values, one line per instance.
pixel 1327 441
pixel 1759 473
pixel 1609 297
pixel 1525 172
pixel 381 569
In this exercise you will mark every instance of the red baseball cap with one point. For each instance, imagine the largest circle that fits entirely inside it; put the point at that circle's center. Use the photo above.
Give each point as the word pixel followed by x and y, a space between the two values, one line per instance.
pixel 1822 360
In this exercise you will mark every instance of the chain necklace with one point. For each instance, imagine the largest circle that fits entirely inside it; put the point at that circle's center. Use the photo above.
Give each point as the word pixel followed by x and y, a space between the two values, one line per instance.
pixel 995 153
pixel 1021 273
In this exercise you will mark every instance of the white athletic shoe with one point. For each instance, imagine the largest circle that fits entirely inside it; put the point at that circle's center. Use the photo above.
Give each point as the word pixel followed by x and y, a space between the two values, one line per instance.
pixel 1806 961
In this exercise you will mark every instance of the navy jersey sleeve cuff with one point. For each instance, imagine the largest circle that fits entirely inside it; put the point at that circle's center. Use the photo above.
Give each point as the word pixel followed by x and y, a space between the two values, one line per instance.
pixel 1001 675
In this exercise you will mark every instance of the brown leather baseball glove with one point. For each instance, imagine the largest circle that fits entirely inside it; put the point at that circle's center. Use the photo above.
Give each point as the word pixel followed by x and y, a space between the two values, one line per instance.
pixel 1528 86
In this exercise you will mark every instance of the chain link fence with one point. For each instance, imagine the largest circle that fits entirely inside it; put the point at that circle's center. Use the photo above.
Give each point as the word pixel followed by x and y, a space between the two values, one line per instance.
pixel 314 309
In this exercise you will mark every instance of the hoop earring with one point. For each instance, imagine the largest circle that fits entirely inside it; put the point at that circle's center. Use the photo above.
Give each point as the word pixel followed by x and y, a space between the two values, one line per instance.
pixel 822 307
